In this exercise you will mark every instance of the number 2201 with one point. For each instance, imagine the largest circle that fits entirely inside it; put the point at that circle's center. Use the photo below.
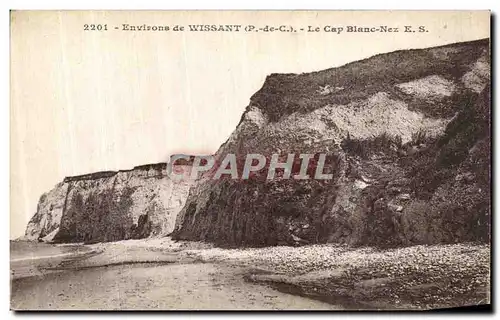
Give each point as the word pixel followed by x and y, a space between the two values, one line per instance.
pixel 95 27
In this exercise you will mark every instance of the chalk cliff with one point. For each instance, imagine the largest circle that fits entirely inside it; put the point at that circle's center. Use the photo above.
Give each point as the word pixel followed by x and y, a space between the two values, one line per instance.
pixel 408 138
pixel 108 206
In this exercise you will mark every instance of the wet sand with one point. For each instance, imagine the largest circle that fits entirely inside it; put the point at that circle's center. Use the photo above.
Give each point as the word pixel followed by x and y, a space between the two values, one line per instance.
pixel 153 287
pixel 131 278
pixel 162 274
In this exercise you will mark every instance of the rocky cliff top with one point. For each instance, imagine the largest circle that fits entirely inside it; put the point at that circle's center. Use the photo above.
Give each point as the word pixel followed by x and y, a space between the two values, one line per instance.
pixel 160 168
pixel 408 135
pixel 284 94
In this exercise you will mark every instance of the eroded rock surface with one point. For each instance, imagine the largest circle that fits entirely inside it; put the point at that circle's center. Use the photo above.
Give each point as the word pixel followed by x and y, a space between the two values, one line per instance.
pixel 407 138
pixel 110 206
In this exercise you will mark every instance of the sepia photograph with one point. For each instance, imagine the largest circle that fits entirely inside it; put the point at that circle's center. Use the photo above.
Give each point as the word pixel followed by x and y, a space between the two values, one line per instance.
pixel 250 160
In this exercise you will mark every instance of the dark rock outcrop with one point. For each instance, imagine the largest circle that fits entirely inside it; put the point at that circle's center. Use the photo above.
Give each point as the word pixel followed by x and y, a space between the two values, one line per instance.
pixel 408 138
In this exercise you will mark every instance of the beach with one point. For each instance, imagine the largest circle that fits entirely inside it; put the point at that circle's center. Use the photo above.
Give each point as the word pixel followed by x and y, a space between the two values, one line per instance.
pixel 161 274
pixel 133 277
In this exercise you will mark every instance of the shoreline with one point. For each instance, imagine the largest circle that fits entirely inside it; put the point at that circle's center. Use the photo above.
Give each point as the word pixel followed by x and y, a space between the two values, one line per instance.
pixel 170 282
pixel 342 277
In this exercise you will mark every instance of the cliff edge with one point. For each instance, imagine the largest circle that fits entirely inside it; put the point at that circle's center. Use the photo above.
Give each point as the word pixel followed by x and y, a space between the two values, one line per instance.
pixel 408 140
pixel 110 206
pixel 408 135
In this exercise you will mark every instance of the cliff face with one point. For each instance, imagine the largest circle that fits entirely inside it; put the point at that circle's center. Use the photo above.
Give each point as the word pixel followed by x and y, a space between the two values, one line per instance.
pixel 108 206
pixel 407 134
pixel 407 139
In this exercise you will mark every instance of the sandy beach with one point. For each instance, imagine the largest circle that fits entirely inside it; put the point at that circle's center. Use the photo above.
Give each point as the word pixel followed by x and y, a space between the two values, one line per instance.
pixel 136 276
pixel 153 287
pixel 160 274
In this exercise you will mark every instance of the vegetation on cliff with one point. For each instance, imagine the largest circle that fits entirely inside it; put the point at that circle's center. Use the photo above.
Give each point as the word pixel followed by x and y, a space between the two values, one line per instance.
pixel 411 134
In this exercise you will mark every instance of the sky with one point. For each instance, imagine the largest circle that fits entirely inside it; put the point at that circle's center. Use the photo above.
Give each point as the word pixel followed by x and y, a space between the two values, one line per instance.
pixel 86 101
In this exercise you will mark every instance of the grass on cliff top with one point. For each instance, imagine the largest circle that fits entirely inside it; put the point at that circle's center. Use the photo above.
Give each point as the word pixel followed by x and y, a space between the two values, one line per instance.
pixel 283 94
